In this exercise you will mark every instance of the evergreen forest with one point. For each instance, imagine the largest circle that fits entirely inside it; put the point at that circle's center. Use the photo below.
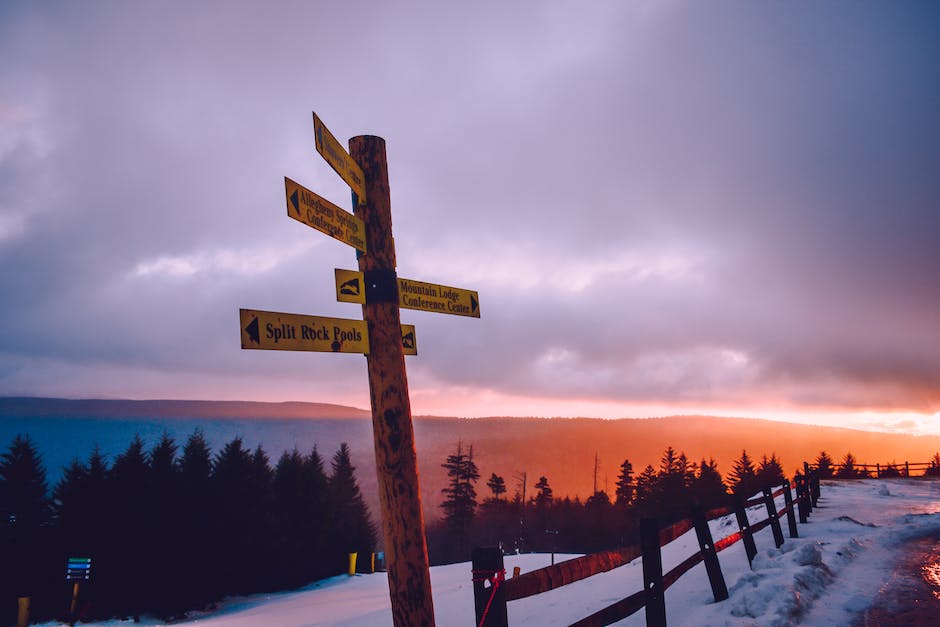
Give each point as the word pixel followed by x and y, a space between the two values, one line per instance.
pixel 535 519
pixel 173 529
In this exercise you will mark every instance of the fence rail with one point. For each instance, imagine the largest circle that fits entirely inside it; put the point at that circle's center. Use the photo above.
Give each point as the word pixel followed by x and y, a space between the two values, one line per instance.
pixel 490 600
pixel 875 471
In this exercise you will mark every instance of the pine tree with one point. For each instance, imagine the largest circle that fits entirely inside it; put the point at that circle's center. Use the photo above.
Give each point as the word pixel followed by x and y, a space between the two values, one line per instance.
pixel 625 484
pixel 497 486
pixel 647 485
pixel 163 528
pixel 824 464
pixel 544 497
pixel 743 476
pixel 300 518
pixel 234 505
pixel 23 490
pixel 128 484
pixel 460 497
pixel 934 469
pixel 196 574
pixel 708 486
pixel 353 530
pixel 847 468
pixel 770 472
pixel 315 499
pixel 25 510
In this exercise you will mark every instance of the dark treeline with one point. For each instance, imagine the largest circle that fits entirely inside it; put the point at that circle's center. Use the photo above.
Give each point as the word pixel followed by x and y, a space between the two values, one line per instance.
pixel 534 519
pixel 170 529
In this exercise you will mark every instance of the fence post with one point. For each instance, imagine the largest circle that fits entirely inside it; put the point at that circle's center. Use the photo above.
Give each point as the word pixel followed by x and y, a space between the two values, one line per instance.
pixel 907 469
pixel 814 487
pixel 877 471
pixel 801 498
pixel 489 603
pixel 772 515
pixel 791 518
pixel 652 573
pixel 712 565
pixel 745 526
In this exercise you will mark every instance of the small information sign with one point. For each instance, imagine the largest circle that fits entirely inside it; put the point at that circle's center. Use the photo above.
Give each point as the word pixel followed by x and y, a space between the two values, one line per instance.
pixel 78 569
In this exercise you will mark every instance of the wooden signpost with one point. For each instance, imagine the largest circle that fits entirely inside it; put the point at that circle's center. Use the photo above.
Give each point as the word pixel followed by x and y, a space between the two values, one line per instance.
pixel 78 570
pixel 381 337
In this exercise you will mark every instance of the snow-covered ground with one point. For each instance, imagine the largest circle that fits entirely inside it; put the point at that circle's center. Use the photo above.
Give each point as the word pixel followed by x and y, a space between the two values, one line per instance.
pixel 825 577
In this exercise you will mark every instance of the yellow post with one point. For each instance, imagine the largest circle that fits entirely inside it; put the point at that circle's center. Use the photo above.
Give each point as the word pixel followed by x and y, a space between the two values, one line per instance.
pixel 22 616
pixel 352 563
pixel 372 568
pixel 515 571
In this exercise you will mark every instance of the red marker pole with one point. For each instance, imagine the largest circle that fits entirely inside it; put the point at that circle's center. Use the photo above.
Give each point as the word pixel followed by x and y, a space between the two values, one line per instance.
pixel 396 461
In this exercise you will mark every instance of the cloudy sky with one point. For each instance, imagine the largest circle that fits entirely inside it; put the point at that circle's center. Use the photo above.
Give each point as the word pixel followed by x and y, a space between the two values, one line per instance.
pixel 666 207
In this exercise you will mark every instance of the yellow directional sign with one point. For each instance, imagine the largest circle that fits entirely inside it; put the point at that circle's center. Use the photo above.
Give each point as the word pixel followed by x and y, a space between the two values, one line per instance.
pixel 313 210
pixel 270 330
pixel 350 288
pixel 339 159
pixel 409 339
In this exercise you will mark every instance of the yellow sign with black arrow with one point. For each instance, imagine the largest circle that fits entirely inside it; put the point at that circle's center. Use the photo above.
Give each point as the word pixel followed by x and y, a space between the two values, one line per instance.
pixel 270 330
pixel 313 210
pixel 334 154
pixel 417 295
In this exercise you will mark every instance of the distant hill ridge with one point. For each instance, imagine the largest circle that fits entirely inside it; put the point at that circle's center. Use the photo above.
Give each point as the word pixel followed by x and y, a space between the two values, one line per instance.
pixel 561 449
pixel 120 408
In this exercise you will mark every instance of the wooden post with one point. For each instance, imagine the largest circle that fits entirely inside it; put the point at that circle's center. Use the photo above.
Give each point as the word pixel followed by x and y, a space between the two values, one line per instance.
pixel 745 526
pixel 814 487
pixel 709 555
pixel 907 469
pixel 22 611
pixel 396 462
pixel 801 498
pixel 878 471
pixel 791 517
pixel 73 606
pixel 489 602
pixel 772 515
pixel 652 573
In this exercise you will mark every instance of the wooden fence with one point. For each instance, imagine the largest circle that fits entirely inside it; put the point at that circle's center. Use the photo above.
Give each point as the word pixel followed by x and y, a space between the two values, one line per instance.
pixel 878 471
pixel 492 591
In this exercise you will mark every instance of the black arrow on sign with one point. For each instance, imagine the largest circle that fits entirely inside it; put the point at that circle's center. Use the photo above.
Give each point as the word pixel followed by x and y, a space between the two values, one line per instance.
pixel 474 305
pixel 408 341
pixel 252 331
pixel 294 200
pixel 350 287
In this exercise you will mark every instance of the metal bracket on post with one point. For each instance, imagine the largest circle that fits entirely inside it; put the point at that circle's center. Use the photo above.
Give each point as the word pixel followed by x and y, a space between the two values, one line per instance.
pixel 381 286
